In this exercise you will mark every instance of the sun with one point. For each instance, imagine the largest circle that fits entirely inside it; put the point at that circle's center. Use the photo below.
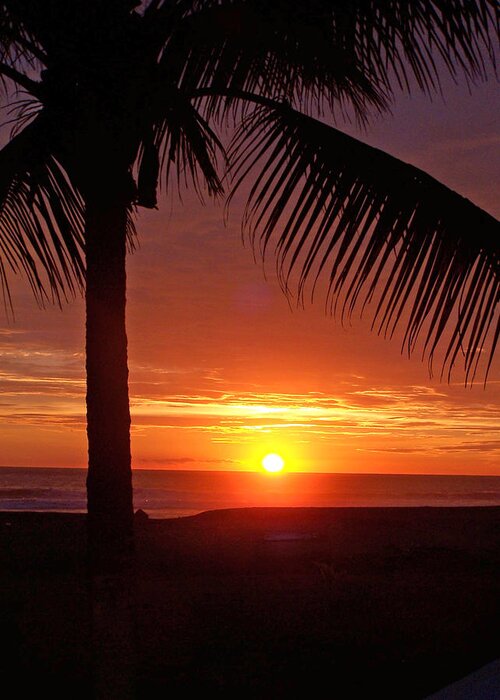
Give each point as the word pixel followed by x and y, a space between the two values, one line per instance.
pixel 273 463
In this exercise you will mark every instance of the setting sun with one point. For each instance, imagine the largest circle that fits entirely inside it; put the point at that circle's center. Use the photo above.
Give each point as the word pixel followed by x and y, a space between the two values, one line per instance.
pixel 273 463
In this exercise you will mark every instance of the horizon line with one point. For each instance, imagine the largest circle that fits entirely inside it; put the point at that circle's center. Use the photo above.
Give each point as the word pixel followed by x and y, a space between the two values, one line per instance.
pixel 260 471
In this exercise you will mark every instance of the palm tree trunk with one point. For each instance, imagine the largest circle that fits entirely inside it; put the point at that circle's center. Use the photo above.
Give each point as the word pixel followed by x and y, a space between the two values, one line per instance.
pixel 109 481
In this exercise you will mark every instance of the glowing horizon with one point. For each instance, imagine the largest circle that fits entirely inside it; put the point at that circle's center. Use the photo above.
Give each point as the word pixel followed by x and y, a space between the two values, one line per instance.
pixel 221 370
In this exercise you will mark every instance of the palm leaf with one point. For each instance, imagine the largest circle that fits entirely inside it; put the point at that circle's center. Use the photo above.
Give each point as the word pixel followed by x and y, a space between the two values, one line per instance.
pixel 262 47
pixel 176 138
pixel 322 51
pixel 41 217
pixel 373 226
pixel 23 23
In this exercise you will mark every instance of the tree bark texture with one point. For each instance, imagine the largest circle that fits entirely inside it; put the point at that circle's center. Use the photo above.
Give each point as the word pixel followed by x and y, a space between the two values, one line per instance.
pixel 109 480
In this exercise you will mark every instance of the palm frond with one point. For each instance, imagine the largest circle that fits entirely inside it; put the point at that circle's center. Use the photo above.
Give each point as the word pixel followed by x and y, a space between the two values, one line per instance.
pixel 131 230
pixel 178 139
pixel 269 49
pixel 371 225
pixel 325 51
pixel 41 217
pixel 18 43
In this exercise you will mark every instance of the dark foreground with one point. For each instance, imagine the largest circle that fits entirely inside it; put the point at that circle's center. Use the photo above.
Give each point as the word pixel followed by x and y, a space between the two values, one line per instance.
pixel 265 603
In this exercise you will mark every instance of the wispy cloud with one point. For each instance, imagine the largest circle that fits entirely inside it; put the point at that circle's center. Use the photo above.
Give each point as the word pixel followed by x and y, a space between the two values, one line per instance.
pixel 48 389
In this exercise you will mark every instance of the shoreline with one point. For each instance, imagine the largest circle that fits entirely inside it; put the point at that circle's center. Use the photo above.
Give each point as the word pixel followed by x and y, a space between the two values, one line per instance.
pixel 167 494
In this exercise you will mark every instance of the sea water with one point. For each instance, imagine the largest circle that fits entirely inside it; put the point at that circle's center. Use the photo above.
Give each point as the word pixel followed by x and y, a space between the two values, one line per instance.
pixel 170 493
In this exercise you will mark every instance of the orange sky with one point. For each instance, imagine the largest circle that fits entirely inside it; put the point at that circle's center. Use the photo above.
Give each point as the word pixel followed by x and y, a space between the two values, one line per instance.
pixel 222 371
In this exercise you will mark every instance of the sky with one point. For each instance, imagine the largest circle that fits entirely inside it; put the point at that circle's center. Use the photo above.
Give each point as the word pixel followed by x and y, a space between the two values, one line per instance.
pixel 223 370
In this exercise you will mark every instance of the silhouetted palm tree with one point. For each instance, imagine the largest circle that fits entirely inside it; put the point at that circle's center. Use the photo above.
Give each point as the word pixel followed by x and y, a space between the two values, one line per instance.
pixel 115 95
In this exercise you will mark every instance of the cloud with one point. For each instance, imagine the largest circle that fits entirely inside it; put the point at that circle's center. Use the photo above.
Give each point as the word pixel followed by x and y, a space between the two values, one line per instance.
pixel 490 447
pixel 486 446
pixel 167 460
pixel 163 462
pixel 45 420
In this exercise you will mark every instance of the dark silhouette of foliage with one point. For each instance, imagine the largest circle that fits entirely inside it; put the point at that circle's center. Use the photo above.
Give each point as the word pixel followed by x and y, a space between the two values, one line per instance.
pixel 112 98
pixel 164 76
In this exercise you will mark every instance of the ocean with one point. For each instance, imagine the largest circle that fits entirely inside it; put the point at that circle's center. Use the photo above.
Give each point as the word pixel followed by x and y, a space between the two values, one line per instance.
pixel 171 494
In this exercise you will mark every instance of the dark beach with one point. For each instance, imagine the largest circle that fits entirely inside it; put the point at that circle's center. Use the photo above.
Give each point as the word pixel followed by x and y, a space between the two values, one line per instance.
pixel 262 603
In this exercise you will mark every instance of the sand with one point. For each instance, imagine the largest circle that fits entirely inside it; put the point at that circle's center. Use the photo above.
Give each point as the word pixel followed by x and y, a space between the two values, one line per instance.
pixel 265 603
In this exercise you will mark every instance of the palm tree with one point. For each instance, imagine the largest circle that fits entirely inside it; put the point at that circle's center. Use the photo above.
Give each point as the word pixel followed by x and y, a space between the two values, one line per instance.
pixel 115 96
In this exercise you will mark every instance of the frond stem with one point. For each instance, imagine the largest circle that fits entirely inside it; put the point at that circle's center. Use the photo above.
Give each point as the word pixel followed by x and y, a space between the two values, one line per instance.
pixel 239 94
pixel 31 86
pixel 33 48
